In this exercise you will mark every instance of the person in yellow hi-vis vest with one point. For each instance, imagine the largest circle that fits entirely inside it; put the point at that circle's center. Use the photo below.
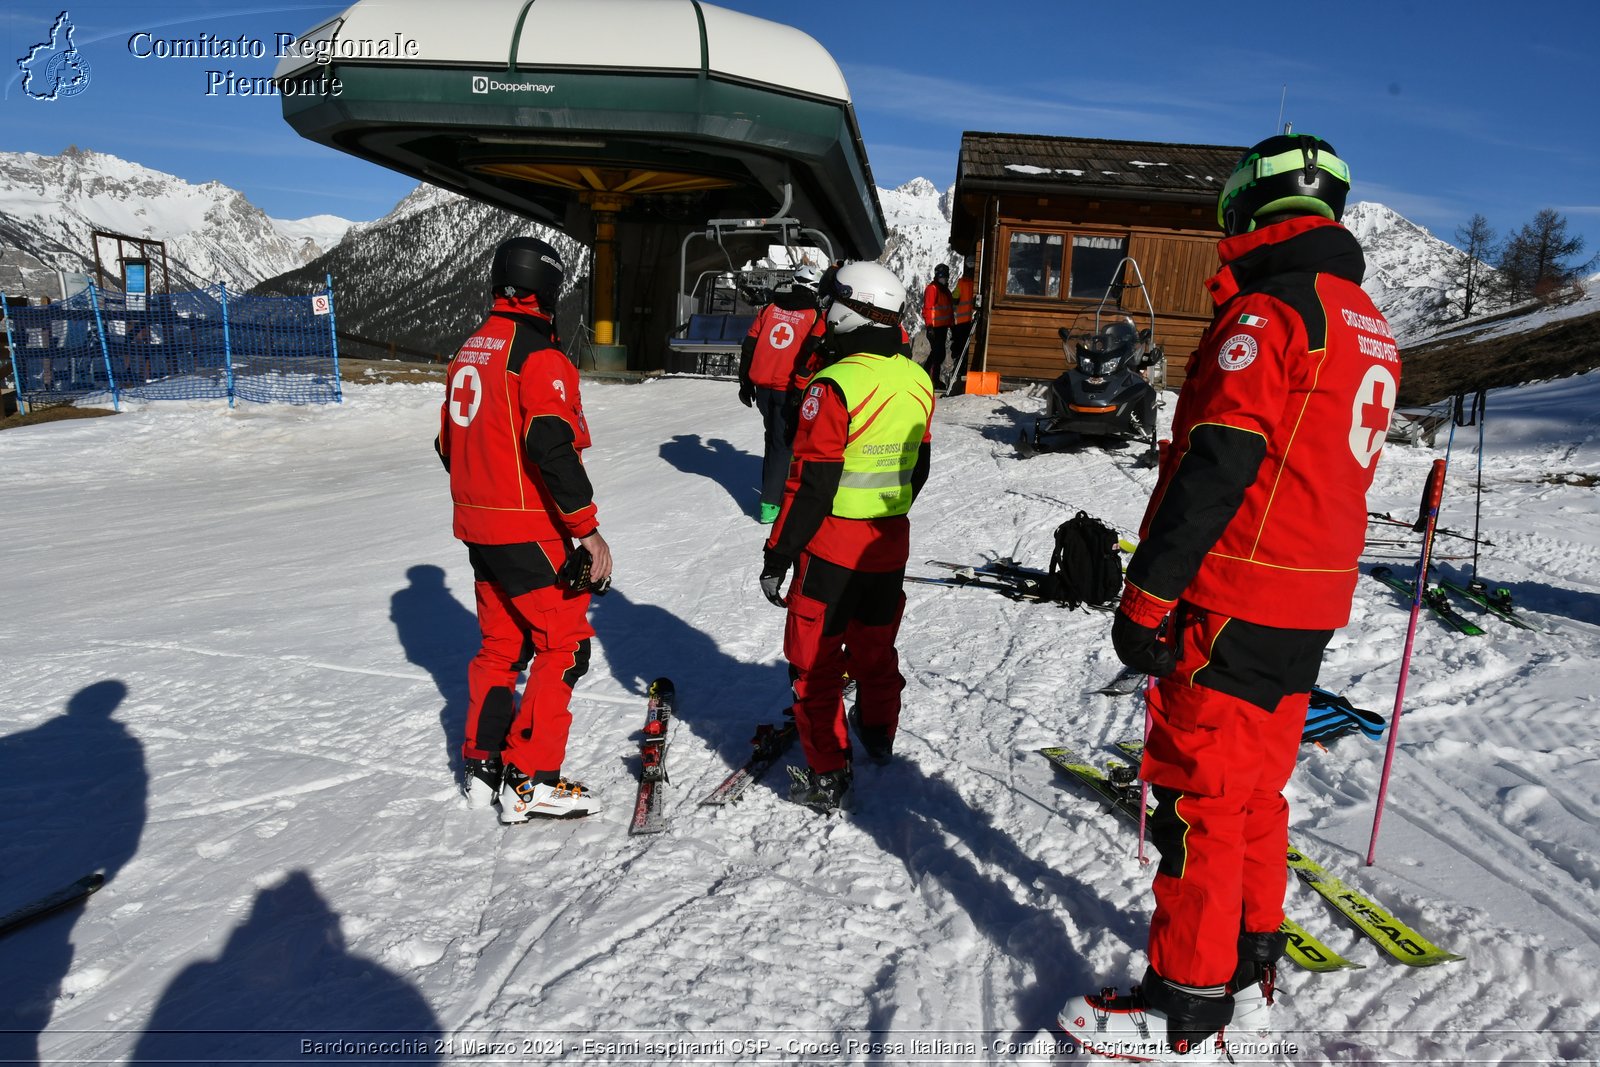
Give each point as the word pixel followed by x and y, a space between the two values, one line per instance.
pixel 861 455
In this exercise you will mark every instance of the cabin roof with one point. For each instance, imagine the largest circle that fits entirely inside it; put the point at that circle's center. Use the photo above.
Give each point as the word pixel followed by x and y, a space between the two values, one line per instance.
pixel 1155 170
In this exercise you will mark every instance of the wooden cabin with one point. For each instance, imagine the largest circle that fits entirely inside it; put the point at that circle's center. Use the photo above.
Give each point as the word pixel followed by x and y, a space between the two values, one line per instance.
pixel 1047 220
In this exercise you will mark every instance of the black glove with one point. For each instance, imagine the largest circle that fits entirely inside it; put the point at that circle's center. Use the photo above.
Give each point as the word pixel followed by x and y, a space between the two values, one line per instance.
pixel 1141 647
pixel 574 573
pixel 774 569
pixel 791 415
pixel 747 393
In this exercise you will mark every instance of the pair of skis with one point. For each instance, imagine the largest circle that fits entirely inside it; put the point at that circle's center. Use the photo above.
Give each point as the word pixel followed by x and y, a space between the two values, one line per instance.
pixel 1371 919
pixel 649 815
pixel 1004 576
pixel 1437 599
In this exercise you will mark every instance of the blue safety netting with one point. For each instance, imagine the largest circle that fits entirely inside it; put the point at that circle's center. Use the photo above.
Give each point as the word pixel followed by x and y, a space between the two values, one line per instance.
pixel 167 346
pixel 56 354
pixel 283 349
pixel 205 344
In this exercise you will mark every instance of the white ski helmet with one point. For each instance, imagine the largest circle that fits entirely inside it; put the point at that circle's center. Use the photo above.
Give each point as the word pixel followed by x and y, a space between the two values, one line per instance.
pixel 807 277
pixel 865 294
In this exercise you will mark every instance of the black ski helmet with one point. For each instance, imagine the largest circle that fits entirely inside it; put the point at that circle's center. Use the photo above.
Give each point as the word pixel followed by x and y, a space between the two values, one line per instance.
pixel 526 265
pixel 1292 173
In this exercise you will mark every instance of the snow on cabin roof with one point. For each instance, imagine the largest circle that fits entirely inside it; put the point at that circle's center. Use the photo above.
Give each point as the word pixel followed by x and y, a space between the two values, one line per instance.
pixel 651 35
pixel 1092 165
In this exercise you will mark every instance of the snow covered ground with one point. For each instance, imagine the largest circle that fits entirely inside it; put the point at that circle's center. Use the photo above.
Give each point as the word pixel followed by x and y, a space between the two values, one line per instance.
pixel 233 647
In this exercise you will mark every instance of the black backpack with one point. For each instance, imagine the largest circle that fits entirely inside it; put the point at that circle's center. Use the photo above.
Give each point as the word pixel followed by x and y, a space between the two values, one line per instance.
pixel 1086 566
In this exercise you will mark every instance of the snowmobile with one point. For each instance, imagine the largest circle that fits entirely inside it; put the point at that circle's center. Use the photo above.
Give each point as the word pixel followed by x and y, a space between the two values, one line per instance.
pixel 1107 396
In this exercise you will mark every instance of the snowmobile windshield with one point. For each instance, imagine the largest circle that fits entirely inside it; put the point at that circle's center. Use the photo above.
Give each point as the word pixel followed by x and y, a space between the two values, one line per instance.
pixel 1116 342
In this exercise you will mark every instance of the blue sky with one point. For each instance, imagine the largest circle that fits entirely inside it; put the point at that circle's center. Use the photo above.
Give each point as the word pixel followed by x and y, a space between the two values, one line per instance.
pixel 1441 110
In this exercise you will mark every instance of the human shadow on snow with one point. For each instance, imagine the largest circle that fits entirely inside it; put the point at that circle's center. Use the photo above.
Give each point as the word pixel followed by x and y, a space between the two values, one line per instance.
pixel 75 788
pixel 286 978
pixel 721 698
pixel 917 817
pixel 735 470
pixel 441 636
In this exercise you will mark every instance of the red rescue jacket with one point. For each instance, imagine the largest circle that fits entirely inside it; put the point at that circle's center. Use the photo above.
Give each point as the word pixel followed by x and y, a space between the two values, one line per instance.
pixel 783 341
pixel 1260 509
pixel 511 434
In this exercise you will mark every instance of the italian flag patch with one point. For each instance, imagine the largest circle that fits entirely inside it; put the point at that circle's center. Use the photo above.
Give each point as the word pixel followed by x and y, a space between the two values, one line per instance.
pixel 1252 320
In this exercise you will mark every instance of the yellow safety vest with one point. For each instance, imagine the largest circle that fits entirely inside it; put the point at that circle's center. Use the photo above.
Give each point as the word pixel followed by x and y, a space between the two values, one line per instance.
pixel 890 399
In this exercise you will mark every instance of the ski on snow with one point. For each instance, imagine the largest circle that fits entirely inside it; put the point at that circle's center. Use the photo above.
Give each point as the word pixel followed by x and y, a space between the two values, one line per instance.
pixel 1436 600
pixel 1128 680
pixel 648 814
pixel 1495 602
pixel 52 902
pixel 1378 923
pixel 1372 919
pixel 1002 575
pixel 771 741
pixel 1304 949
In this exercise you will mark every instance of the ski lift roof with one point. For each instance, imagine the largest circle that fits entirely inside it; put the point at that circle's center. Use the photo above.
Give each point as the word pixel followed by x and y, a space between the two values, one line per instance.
pixel 533 106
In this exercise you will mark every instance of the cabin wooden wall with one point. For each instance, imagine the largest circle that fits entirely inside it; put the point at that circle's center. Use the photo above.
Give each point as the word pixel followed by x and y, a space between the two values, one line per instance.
pixel 1174 245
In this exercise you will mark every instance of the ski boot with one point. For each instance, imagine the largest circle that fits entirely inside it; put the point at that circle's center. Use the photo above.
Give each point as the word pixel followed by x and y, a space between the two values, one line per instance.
pixel 1155 1020
pixel 522 798
pixel 480 781
pixel 824 793
pixel 877 740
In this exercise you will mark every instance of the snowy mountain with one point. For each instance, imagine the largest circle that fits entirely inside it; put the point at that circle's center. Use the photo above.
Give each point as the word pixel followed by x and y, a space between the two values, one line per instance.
pixel 50 206
pixel 917 216
pixel 1408 268
pixel 416 276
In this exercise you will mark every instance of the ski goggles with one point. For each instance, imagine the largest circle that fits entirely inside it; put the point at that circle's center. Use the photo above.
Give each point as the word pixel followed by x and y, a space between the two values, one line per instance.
pixel 1305 158
pixel 871 312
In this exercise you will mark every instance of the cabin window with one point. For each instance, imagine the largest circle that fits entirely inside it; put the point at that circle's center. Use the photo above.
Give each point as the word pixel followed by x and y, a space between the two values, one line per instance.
pixel 1071 266
pixel 1095 258
pixel 1034 264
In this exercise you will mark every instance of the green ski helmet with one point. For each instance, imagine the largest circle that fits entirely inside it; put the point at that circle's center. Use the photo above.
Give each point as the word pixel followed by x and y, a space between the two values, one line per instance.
pixel 1290 172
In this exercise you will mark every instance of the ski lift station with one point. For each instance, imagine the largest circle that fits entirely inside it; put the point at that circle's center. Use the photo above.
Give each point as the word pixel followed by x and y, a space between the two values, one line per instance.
pixel 678 140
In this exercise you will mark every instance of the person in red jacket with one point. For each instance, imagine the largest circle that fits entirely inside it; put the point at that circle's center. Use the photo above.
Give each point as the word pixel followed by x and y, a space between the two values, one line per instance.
pixel 1248 559
pixel 861 455
pixel 938 315
pixel 511 435
pixel 776 359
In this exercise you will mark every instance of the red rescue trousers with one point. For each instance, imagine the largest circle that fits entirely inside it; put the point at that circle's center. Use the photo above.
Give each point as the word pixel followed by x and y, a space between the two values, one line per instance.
pixel 551 626
pixel 1225 730
pixel 842 620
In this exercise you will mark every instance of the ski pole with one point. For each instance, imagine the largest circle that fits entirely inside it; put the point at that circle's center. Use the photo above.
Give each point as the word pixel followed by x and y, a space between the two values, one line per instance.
pixel 1480 406
pixel 1389 520
pixel 1432 493
pixel 1144 786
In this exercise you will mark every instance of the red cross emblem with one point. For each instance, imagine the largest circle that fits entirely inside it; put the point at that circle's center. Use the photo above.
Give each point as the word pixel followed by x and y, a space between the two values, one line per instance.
pixel 1237 352
pixel 1375 413
pixel 1369 414
pixel 466 392
pixel 781 336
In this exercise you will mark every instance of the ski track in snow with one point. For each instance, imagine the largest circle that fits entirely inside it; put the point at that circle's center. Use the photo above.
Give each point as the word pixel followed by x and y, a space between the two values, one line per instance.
pixel 278 594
